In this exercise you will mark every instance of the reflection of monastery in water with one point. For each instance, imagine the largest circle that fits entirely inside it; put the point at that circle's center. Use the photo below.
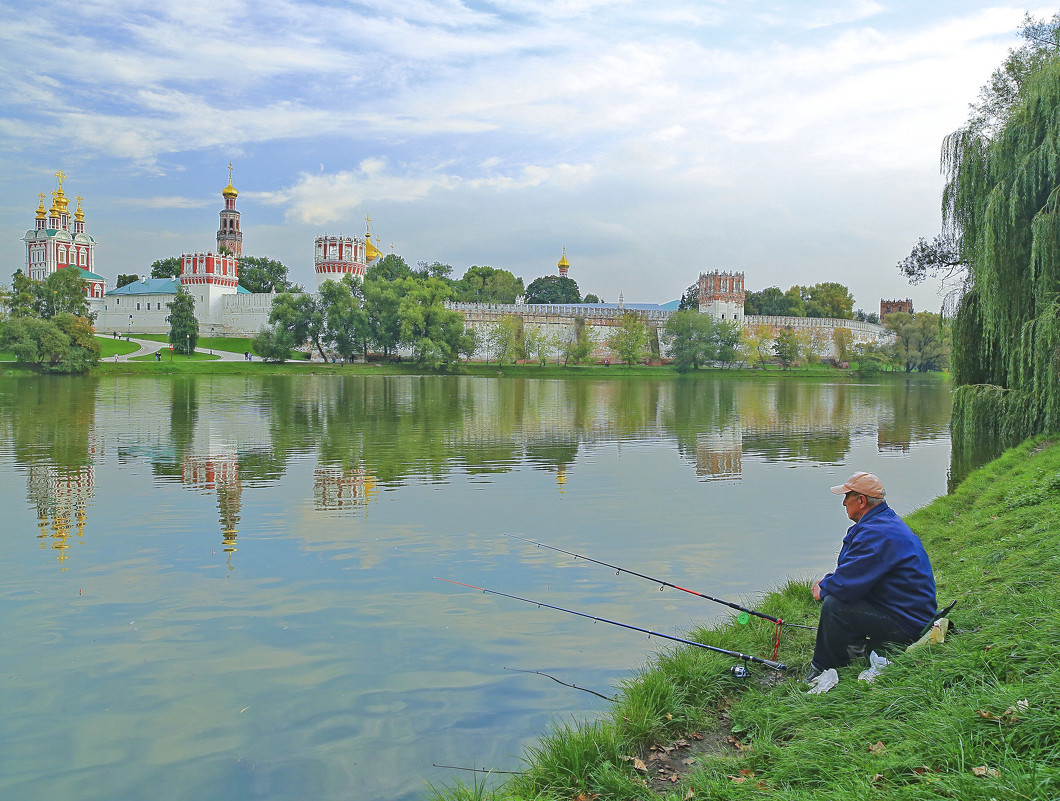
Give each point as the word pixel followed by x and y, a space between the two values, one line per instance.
pixel 61 495
pixel 336 490
pixel 219 436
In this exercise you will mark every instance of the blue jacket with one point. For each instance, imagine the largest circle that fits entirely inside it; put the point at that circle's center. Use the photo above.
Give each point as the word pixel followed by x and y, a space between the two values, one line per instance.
pixel 884 563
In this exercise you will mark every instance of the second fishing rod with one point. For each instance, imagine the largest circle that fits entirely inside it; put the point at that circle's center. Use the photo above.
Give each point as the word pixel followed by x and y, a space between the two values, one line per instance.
pixel 742 609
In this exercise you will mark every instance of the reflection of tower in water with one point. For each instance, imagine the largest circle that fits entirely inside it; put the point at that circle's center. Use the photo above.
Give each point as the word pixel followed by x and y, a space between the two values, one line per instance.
pixel 218 473
pixel 338 490
pixel 719 453
pixel 61 495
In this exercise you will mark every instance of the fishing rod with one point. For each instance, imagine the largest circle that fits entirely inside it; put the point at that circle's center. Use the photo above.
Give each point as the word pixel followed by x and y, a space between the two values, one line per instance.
pixel 736 654
pixel 564 683
pixel 776 620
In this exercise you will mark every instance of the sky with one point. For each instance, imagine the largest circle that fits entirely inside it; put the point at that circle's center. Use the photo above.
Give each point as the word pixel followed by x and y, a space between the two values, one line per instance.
pixel 796 142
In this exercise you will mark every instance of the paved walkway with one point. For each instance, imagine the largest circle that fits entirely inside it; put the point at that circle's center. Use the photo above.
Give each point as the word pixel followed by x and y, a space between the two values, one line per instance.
pixel 149 346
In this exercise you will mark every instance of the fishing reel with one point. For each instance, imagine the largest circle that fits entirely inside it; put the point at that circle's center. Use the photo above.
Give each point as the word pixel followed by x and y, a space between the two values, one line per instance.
pixel 739 671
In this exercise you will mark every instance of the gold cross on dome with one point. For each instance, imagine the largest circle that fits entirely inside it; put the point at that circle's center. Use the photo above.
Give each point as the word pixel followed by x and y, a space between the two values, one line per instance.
pixel 60 175
pixel 229 172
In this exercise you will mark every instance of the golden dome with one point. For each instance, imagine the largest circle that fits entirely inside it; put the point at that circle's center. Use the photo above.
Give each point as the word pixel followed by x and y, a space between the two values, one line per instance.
pixel 79 215
pixel 563 259
pixel 229 191
pixel 41 212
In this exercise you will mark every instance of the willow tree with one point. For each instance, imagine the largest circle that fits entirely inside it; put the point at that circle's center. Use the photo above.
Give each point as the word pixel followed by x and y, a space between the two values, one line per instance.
pixel 1001 204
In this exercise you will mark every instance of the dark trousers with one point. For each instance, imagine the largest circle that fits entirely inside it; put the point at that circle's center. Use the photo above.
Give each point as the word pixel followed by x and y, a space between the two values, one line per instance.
pixel 856 623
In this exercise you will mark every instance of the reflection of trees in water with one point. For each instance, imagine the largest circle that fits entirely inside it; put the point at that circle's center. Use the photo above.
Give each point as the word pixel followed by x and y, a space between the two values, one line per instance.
pixel 51 418
pixel 49 421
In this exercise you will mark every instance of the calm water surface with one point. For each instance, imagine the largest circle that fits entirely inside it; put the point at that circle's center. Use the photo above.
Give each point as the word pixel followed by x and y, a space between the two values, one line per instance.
pixel 223 588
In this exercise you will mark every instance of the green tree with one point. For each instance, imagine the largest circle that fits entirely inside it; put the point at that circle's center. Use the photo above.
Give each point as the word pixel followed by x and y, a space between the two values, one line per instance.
pixel 262 274
pixel 829 299
pixel 436 335
pixel 691 338
pixel 504 339
pixel 921 342
pixel 589 297
pixel 786 347
pixel 272 344
pixel 435 269
pixel 813 342
pixel 629 339
pixel 578 344
pixel 382 303
pixel 166 268
pixel 183 325
pixel 537 344
pixel 63 292
pixel 690 299
pixel 390 267
pixel 727 335
pixel 23 302
pixel 553 289
pixel 346 327
pixel 63 344
pixel 757 344
pixel 770 302
pixel 127 278
pixel 5 302
pixel 796 301
pixel 1002 206
pixel 487 285
pixel 842 338
pixel 299 318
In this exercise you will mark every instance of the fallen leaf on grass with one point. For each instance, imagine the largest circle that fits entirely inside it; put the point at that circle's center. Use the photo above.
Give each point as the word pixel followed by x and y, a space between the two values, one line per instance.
pixel 985 771
pixel 878 748
pixel 690 794
pixel 587 797
pixel 681 744
pixel 743 775
pixel 879 777
pixel 697 736
pixel 739 746
pixel 638 763
pixel 689 761
pixel 669 716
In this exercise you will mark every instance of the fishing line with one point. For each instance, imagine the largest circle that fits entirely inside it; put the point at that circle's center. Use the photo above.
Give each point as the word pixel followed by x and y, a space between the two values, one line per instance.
pixel 742 618
pixel 746 657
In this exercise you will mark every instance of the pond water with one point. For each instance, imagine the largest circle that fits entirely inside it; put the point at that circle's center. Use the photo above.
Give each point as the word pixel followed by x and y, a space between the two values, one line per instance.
pixel 224 588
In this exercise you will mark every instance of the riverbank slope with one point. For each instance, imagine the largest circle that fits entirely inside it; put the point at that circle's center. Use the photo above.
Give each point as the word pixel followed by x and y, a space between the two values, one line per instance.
pixel 977 717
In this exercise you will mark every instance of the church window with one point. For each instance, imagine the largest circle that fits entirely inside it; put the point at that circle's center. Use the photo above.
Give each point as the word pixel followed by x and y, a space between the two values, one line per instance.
pixel 62 256
pixel 137 307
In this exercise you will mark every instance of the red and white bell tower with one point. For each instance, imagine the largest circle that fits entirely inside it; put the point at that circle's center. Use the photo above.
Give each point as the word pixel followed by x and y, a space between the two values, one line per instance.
pixel 229 237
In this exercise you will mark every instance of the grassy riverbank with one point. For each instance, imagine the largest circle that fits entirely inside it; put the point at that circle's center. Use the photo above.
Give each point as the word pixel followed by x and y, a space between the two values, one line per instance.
pixel 977 717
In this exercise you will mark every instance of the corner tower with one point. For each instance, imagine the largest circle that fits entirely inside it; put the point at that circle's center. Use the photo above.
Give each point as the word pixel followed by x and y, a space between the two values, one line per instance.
pixel 229 237
pixel 721 295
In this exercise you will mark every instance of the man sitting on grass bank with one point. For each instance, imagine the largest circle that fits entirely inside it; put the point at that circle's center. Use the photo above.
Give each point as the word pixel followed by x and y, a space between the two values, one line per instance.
pixel 882 589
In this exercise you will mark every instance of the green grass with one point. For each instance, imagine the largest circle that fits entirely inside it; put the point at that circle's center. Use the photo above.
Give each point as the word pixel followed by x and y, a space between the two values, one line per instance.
pixel 941 712
pixel 234 344
pixel 110 346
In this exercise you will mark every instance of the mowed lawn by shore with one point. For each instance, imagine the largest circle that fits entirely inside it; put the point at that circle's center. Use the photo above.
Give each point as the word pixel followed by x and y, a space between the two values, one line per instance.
pixel 977 717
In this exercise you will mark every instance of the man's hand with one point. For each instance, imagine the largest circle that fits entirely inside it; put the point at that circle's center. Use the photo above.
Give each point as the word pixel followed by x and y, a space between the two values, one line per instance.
pixel 816 589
